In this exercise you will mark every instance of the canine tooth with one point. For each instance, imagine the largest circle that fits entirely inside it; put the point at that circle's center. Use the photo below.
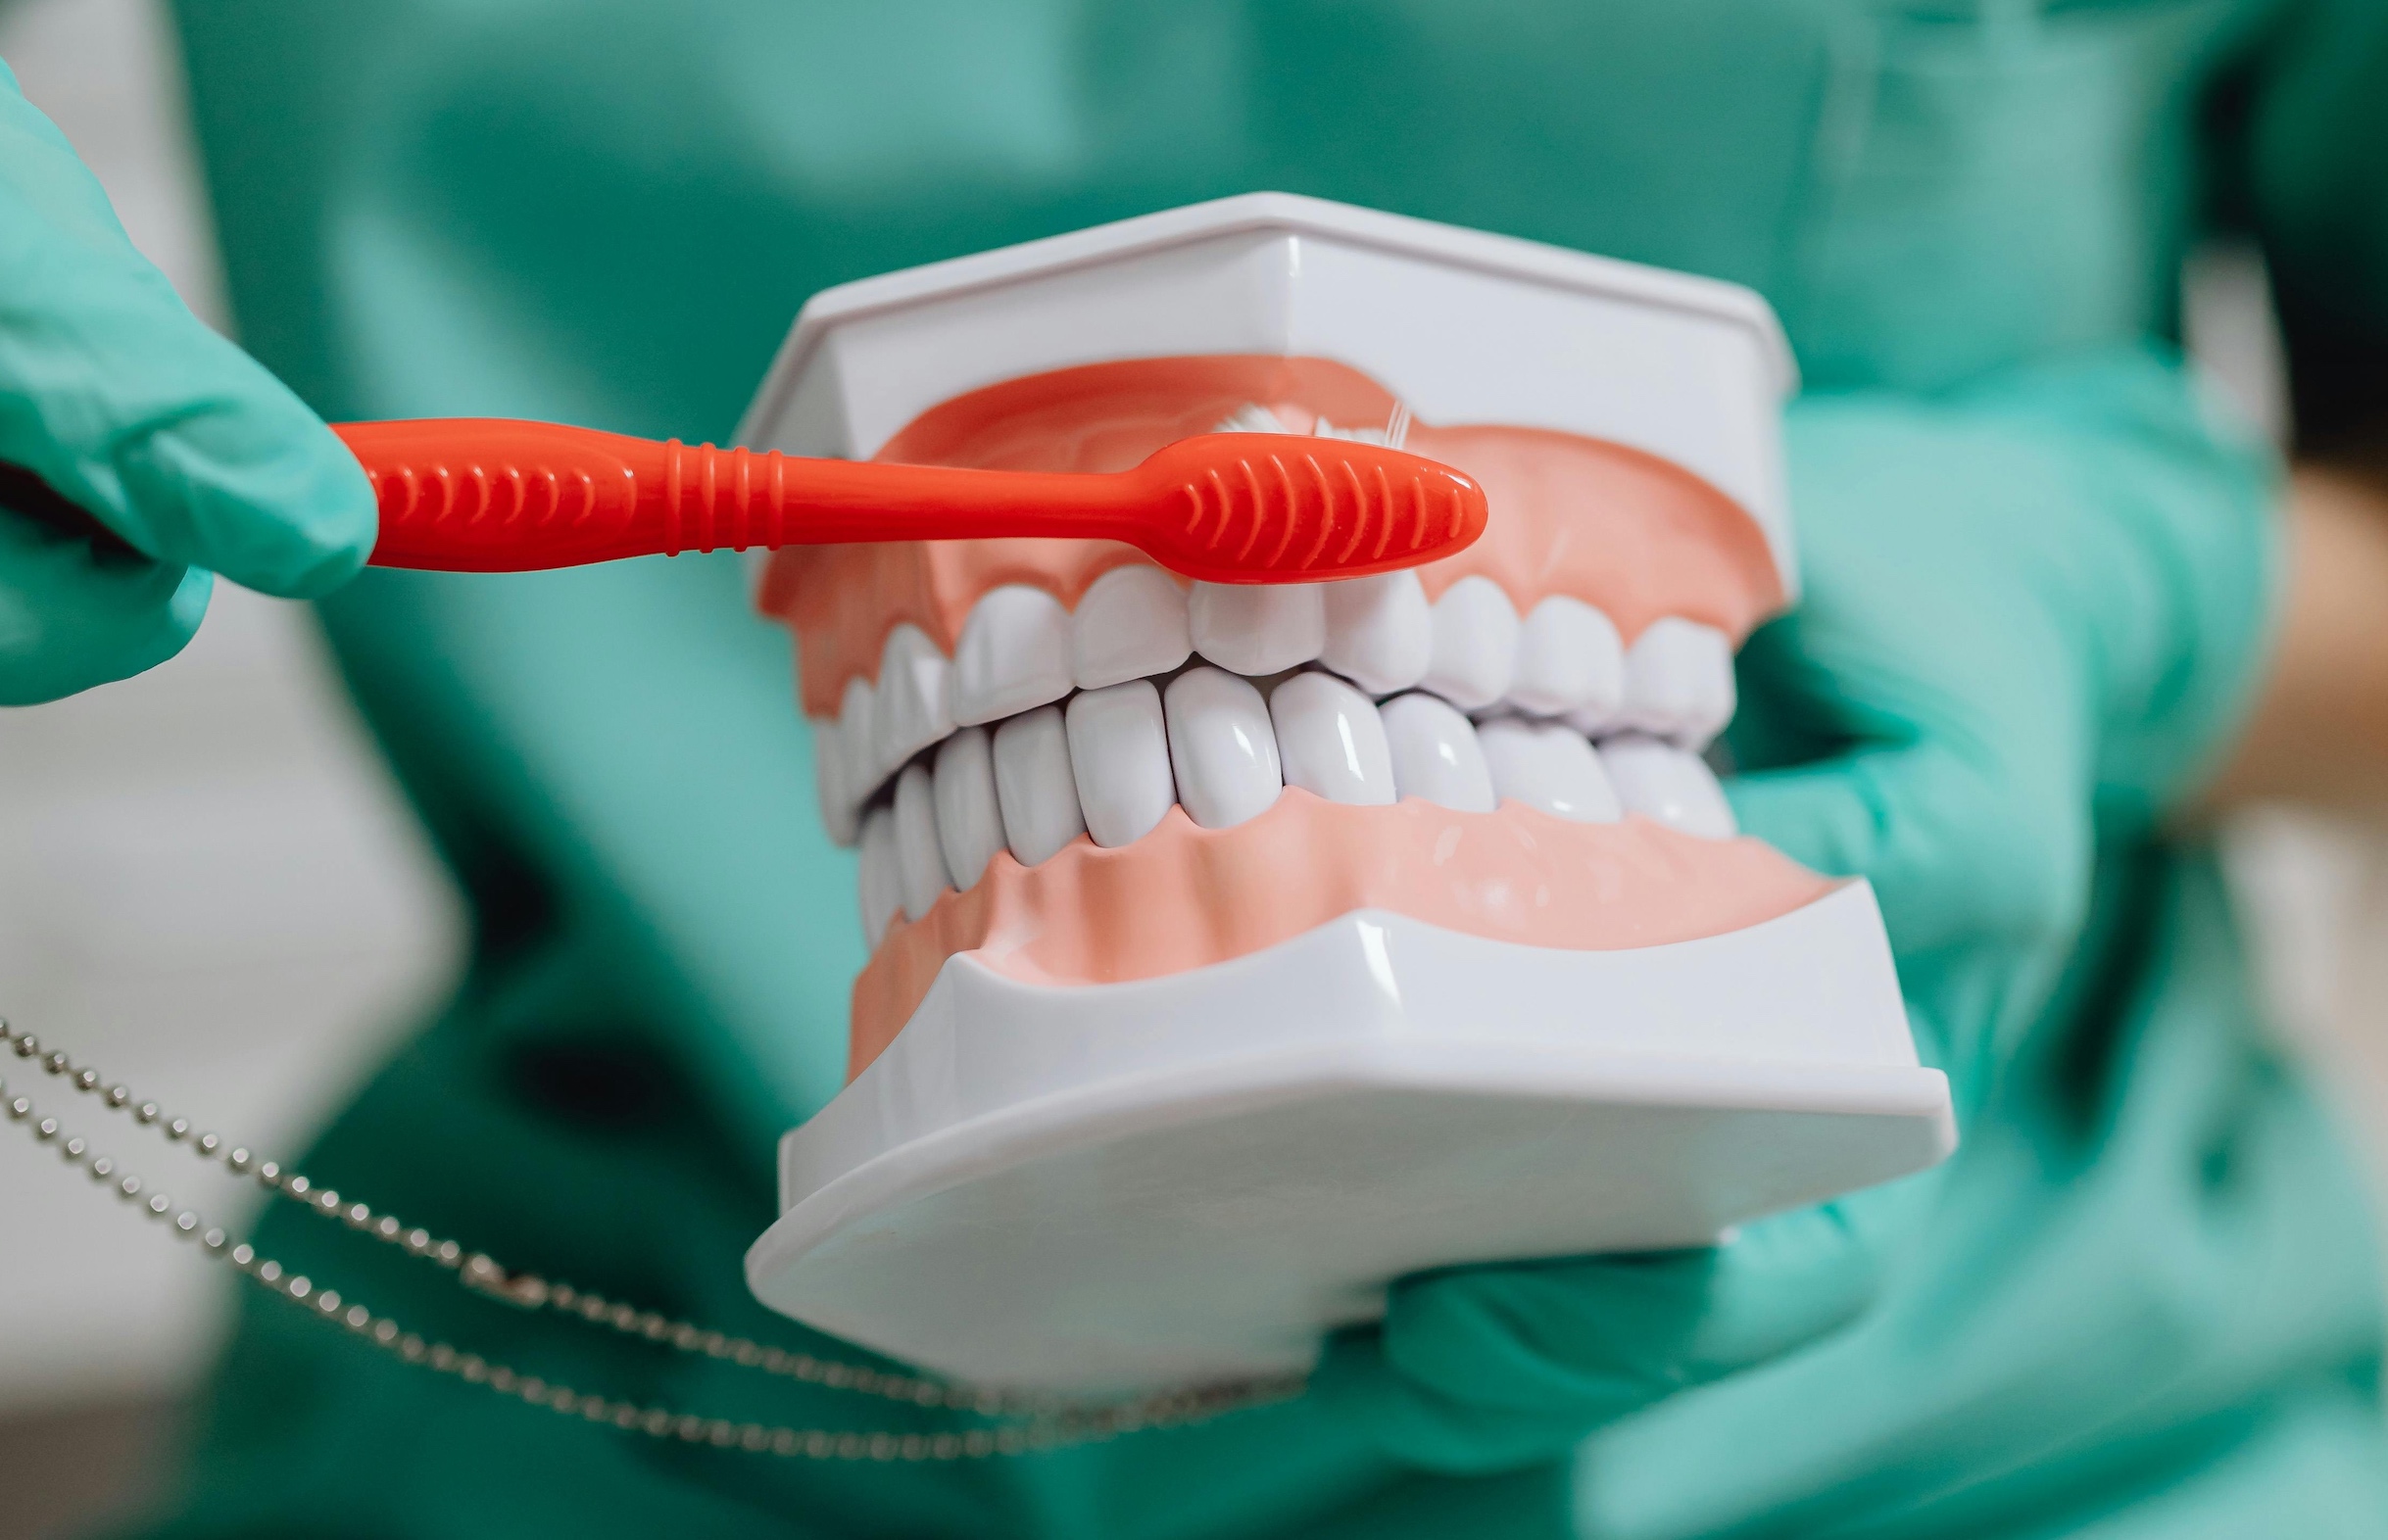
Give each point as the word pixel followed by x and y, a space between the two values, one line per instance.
pixel 1436 756
pixel 920 867
pixel 1130 623
pixel 839 815
pixel 1035 786
pixel 1475 643
pixel 969 814
pixel 1119 751
pixel 857 741
pixel 1670 784
pixel 1331 740
pixel 1379 631
pixel 1014 654
pixel 1222 747
pixel 881 885
pixel 1678 681
pixel 1257 628
pixel 1569 662
pixel 909 705
pixel 1549 766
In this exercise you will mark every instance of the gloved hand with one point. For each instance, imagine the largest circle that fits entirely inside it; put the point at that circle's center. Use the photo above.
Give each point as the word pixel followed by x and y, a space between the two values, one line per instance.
pixel 116 399
pixel 2033 610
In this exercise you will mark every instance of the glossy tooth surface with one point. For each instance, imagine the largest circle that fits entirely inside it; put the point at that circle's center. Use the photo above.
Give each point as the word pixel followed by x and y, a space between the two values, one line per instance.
pixel 1221 747
pixel 881 883
pixel 920 866
pixel 1569 662
pixel 1678 681
pixel 1672 786
pixel 1119 751
pixel 1257 628
pixel 858 735
pixel 1331 741
pixel 1130 623
pixel 969 814
pixel 1035 785
pixel 1476 644
pixel 1379 631
pixel 1014 654
pixel 910 708
pixel 1549 766
pixel 1436 756
pixel 838 813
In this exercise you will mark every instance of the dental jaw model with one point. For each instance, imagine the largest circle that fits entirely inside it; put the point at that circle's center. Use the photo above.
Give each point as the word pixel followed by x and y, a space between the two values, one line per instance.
pixel 1236 949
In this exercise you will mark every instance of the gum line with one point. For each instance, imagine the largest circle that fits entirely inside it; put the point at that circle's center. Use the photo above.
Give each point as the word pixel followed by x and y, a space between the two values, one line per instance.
pixel 1184 896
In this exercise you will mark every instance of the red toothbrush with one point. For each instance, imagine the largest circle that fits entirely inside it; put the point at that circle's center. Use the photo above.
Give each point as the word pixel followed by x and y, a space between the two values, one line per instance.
pixel 489 494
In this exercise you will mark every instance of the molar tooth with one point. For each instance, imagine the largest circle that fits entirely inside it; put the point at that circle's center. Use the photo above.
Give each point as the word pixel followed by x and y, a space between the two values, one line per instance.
pixel 970 813
pixel 1222 747
pixel 910 708
pixel 1330 739
pixel 1130 623
pixel 857 742
pixel 1014 654
pixel 1035 786
pixel 1379 631
pixel 920 867
pixel 1678 681
pixel 1549 766
pixel 881 885
pixel 1475 643
pixel 839 815
pixel 1119 751
pixel 1668 785
pixel 1569 662
pixel 1257 628
pixel 1436 756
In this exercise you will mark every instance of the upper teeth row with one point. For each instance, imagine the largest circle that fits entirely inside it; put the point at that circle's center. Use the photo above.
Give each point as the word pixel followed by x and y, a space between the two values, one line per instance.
pixel 1021 649
pixel 1111 764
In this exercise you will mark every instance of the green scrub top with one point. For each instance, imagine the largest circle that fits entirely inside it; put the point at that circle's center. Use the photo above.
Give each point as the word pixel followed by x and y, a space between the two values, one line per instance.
pixel 2145 1301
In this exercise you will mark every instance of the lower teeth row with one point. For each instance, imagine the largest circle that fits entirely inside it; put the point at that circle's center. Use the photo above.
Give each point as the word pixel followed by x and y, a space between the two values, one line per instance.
pixel 1109 763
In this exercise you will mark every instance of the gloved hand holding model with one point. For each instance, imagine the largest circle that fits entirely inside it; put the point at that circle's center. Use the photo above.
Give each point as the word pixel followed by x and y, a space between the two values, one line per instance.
pixel 2033 612
pixel 114 397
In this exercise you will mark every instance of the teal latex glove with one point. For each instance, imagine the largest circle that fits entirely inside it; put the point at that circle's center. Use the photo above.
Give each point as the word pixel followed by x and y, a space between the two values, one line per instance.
pixel 114 397
pixel 2032 611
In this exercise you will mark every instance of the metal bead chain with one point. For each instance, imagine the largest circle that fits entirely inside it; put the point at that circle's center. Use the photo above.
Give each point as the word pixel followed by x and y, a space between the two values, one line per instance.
pixel 1047 1421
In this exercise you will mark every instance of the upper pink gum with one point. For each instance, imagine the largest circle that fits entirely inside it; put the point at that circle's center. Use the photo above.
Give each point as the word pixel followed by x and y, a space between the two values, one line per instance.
pixel 1637 535
pixel 1184 896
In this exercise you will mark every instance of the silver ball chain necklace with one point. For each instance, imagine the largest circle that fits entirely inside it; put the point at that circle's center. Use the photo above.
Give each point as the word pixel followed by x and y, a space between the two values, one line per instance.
pixel 1005 1422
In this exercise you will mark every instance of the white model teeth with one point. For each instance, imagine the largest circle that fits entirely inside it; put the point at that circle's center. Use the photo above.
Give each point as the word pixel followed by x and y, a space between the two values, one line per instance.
pixel 1379 631
pixel 1331 740
pixel 969 812
pixel 881 885
pixel 1436 756
pixel 1570 663
pixel 1475 643
pixel 1049 723
pixel 1014 654
pixel 1549 766
pixel 1222 749
pixel 920 866
pixel 1130 624
pixel 841 813
pixel 1678 681
pixel 1035 785
pixel 1668 785
pixel 1119 752
pixel 1257 628
pixel 910 708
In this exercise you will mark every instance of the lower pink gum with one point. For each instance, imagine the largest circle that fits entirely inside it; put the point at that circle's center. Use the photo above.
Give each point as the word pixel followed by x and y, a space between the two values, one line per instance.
pixel 1184 896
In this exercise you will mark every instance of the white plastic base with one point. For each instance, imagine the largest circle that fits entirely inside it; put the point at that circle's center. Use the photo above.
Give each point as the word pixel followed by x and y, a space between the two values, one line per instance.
pixel 1193 1177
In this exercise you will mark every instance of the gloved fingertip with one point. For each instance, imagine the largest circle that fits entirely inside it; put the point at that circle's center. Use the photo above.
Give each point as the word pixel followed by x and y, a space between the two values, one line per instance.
pixel 262 494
